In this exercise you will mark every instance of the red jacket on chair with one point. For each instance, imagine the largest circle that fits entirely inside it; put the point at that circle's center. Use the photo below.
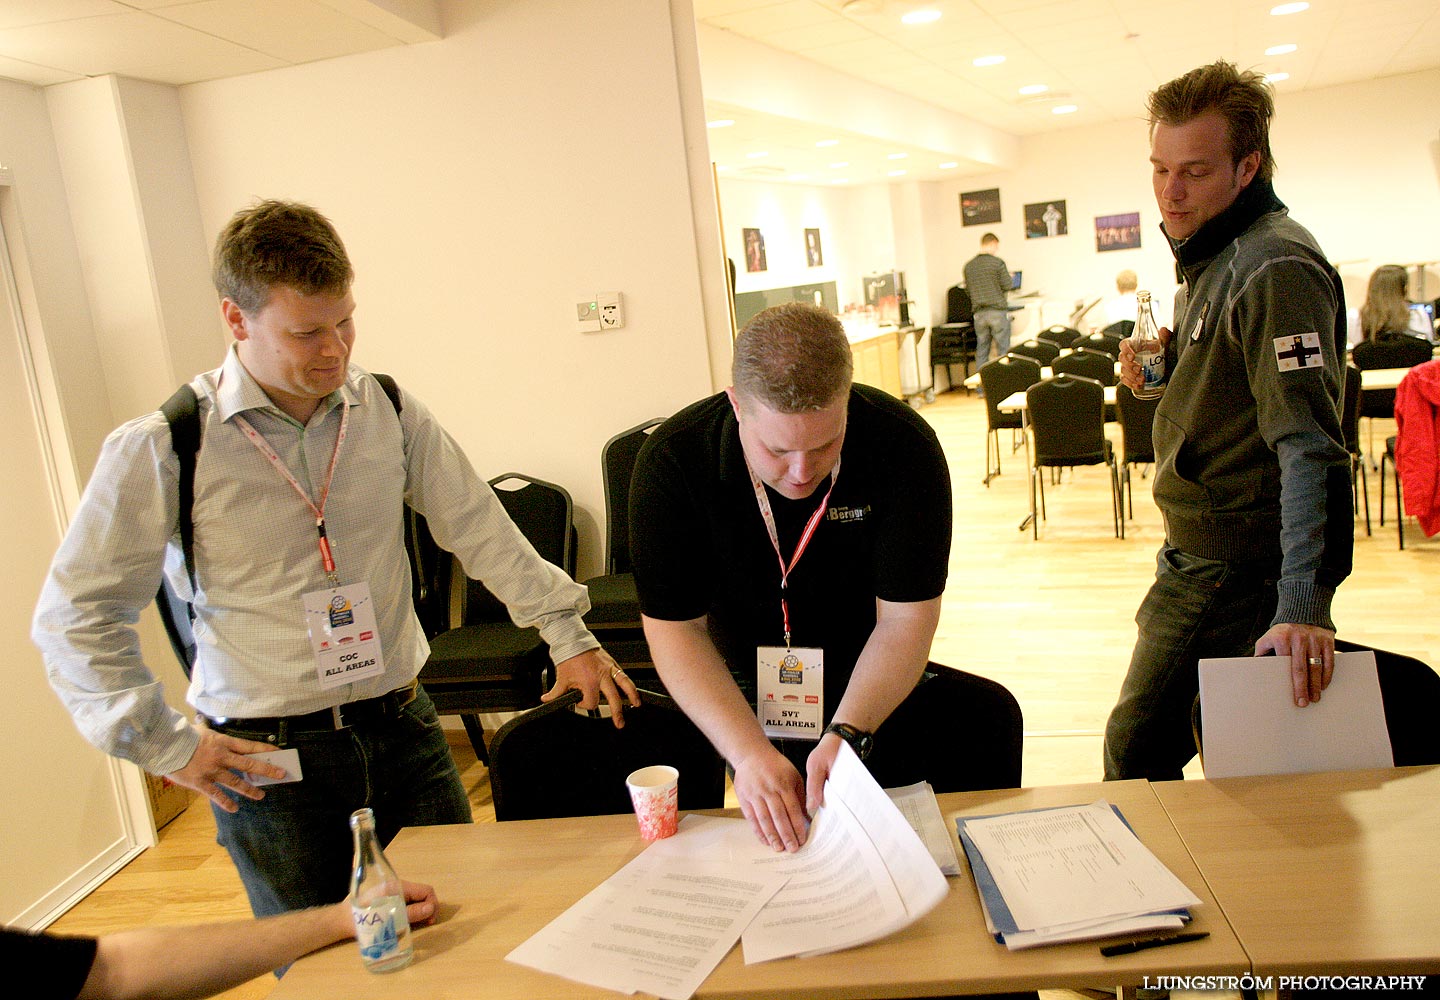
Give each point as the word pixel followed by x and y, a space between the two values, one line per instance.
pixel 1417 445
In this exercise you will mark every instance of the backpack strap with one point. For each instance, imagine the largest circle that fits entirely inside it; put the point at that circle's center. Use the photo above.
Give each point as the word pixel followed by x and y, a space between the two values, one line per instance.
pixel 182 413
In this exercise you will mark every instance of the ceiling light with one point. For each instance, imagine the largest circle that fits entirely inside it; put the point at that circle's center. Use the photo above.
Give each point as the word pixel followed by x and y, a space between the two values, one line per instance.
pixel 1276 77
pixel 1289 8
pixel 757 155
pixel 842 163
pixel 1030 89
pixel 720 123
pixel 1281 50
pixel 896 156
pixel 897 173
pixel 1064 109
pixel 822 143
pixel 925 16
pixel 989 61
pixel 951 165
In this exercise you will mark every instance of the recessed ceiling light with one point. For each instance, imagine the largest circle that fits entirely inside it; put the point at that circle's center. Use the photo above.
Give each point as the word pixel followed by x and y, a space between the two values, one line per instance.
pixel 989 60
pixel 720 123
pixel 757 155
pixel 1064 109
pixel 1289 8
pixel 896 156
pixel 951 165
pixel 822 143
pixel 1281 50
pixel 1276 77
pixel 897 173
pixel 1030 89
pixel 928 15
pixel 842 163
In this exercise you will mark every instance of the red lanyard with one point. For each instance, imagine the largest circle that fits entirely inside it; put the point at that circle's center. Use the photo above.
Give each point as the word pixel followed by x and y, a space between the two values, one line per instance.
pixel 258 440
pixel 768 516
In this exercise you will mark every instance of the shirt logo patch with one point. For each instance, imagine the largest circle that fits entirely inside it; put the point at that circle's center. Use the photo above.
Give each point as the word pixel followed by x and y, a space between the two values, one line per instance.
pixel 847 513
pixel 1297 351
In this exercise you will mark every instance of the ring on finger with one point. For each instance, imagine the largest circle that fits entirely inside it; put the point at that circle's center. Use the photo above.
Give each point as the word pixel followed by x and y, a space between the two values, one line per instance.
pixel 1315 661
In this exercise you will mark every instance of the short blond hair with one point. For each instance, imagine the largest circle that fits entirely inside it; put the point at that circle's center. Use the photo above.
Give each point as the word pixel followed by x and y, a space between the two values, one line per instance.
pixel 793 358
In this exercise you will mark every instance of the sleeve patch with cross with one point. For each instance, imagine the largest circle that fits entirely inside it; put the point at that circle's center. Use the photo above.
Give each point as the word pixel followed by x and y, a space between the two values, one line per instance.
pixel 1298 350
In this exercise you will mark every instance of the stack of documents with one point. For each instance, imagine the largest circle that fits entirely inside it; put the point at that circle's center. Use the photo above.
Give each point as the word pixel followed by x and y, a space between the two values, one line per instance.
pixel 663 922
pixel 1071 874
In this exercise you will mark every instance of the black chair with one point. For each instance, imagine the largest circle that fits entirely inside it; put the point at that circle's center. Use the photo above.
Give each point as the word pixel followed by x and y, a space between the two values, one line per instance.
pixel 1389 457
pixel 487 663
pixel 1410 694
pixel 1137 422
pixel 1121 328
pixel 998 379
pixel 1090 363
pixel 430 569
pixel 965 734
pixel 614 615
pixel 1042 351
pixel 1101 342
pixel 1067 421
pixel 1388 350
pixel 1350 429
pixel 1063 335
pixel 553 761
pixel 953 342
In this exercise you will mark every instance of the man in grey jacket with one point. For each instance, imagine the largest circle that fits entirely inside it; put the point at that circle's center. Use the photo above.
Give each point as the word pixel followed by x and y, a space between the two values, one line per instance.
pixel 988 282
pixel 1252 475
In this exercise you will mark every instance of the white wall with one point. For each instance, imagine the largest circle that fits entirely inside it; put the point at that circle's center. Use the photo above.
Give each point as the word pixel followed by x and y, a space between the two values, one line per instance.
pixel 484 184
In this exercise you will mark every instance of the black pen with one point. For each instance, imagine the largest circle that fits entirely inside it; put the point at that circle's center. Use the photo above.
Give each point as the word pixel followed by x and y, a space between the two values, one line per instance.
pixel 1160 942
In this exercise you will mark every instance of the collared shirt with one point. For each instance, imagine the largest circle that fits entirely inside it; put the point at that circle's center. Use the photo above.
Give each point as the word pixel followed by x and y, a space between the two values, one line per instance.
pixel 256 553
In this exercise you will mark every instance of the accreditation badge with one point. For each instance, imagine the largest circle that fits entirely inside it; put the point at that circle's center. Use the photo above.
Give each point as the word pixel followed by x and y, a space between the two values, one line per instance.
pixel 790 691
pixel 341 623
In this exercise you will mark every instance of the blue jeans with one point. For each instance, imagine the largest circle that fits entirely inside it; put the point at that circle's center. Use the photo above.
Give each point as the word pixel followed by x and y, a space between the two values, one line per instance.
pixel 293 848
pixel 991 325
pixel 1196 609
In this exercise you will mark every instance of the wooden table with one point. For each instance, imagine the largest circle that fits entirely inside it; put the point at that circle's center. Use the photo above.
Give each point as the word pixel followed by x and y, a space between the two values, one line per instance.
pixel 500 883
pixel 1324 874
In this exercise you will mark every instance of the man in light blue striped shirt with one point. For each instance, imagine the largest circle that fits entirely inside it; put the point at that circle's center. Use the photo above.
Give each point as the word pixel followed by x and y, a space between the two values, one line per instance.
pixel 303 474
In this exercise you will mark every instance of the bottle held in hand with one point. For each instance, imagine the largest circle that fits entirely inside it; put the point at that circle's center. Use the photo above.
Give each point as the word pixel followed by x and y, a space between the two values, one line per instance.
pixel 1149 352
pixel 377 899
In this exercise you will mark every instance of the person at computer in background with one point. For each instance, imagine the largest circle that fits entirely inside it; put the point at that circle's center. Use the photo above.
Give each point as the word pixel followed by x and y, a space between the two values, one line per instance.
pixel 1251 471
pixel 191 961
pixel 1386 319
pixel 794 443
pixel 287 405
pixel 988 282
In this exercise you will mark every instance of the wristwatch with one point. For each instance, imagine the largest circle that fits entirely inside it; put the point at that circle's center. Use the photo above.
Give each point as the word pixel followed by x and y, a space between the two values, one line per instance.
pixel 860 741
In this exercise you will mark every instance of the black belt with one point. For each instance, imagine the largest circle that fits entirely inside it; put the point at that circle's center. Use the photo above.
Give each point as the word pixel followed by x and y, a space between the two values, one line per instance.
pixel 378 709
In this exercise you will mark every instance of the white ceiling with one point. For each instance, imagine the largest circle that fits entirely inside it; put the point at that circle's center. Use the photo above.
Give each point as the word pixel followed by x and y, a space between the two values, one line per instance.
pixel 1103 56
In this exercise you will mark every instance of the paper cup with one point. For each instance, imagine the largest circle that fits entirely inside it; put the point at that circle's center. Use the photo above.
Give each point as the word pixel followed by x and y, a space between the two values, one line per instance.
pixel 654 791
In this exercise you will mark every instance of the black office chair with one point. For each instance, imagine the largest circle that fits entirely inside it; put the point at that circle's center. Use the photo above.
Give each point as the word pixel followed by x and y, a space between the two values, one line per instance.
pixel 1090 363
pixel 552 761
pixel 1388 350
pixel 1121 328
pixel 1042 351
pixel 614 615
pixel 1137 422
pixel 1067 421
pixel 953 342
pixel 487 663
pixel 1350 429
pixel 998 379
pixel 1063 335
pixel 1105 342
pixel 1389 458
pixel 430 569
pixel 1410 694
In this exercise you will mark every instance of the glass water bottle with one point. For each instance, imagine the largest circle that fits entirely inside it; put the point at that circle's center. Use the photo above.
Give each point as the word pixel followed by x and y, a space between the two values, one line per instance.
pixel 377 900
pixel 1149 352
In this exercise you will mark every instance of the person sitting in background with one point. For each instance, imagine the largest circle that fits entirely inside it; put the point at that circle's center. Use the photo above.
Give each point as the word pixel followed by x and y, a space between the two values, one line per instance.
pixel 1386 338
pixel 1121 306
pixel 160 963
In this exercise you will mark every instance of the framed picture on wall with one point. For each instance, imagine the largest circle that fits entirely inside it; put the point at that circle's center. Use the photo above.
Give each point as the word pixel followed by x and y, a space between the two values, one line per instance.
pixel 1117 232
pixel 754 250
pixel 980 208
pixel 813 256
pixel 1044 219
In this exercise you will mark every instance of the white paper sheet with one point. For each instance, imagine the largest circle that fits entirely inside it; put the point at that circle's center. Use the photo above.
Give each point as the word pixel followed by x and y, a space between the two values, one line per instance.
pixel 917 804
pixel 1251 724
pixel 1074 866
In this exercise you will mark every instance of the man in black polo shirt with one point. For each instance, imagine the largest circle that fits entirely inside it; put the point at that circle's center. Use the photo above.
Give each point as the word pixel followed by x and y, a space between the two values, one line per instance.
pixel 856 488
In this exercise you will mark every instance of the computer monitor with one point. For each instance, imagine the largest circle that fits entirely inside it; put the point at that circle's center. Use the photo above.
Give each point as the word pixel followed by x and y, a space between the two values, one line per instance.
pixel 1422 319
pixel 1015 281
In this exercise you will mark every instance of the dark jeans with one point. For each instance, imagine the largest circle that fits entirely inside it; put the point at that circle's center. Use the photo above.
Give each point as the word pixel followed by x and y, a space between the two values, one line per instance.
pixel 1196 609
pixel 293 848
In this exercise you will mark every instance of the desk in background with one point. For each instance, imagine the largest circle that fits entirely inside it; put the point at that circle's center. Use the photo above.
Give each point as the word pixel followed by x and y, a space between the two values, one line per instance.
pixel 499 883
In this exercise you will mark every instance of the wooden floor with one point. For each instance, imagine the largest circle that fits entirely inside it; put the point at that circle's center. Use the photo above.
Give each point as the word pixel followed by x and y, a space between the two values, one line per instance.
pixel 1051 619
